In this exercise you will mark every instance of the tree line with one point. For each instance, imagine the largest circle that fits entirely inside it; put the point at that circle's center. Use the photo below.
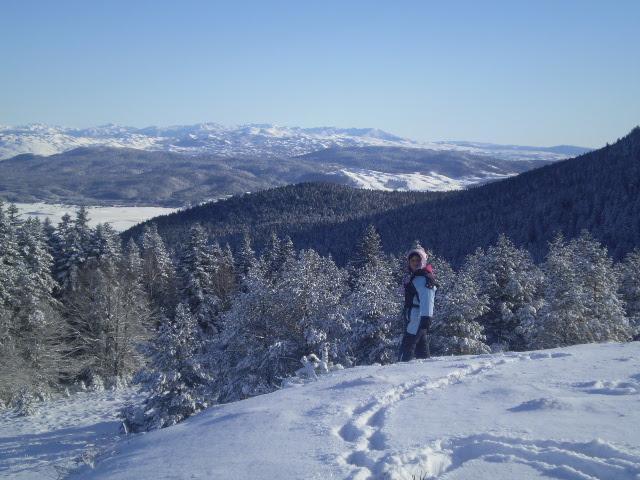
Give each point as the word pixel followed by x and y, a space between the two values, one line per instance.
pixel 204 323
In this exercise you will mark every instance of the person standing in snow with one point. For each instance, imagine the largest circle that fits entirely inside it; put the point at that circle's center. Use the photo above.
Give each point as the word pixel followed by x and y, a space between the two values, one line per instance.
pixel 419 294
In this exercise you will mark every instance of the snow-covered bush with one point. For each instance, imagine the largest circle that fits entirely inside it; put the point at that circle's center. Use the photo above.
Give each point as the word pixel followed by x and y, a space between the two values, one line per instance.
pixel 312 366
pixel 25 402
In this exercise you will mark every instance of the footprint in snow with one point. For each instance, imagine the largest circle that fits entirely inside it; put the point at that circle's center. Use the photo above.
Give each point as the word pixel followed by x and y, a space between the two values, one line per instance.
pixel 610 387
pixel 541 404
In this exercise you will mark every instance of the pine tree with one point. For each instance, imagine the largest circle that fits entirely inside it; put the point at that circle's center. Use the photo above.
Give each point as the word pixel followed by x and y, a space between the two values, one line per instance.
pixel 177 383
pixel 10 262
pixel 600 282
pixel 37 314
pixel 563 320
pixel 629 273
pixel 246 257
pixel 273 324
pixel 158 270
pixel 512 284
pixel 12 373
pixel 74 246
pixel 225 275
pixel 311 294
pixel 374 303
pixel 108 312
pixel 368 250
pixel 287 250
pixel 271 256
pixel 104 243
pixel 456 329
pixel 198 269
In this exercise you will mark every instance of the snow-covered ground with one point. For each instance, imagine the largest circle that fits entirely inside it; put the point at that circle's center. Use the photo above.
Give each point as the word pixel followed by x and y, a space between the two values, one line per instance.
pixel 432 181
pixel 569 413
pixel 62 434
pixel 120 218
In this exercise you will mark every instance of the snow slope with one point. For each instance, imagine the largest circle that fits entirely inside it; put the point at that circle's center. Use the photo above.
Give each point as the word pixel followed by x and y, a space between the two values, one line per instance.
pixel 120 218
pixel 264 140
pixel 417 181
pixel 62 433
pixel 569 413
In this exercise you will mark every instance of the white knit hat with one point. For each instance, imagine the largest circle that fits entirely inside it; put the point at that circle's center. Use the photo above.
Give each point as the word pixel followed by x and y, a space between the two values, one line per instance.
pixel 418 250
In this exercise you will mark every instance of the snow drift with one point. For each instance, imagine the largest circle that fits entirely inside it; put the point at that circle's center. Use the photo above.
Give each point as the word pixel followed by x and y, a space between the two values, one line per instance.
pixel 566 413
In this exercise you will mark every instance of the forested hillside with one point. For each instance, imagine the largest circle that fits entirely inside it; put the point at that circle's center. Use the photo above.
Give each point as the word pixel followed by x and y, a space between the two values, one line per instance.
pixel 598 191
pixel 127 176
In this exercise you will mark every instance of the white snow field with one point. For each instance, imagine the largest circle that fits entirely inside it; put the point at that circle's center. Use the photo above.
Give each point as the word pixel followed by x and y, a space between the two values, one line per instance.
pixel 63 433
pixel 121 218
pixel 568 413
pixel 432 181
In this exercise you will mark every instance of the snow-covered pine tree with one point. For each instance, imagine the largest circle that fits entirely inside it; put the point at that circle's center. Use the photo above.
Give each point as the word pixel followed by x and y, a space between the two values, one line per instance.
pixel 10 261
pixel 599 278
pixel 107 312
pixel 456 329
pixel 158 271
pixel 197 270
pixel 311 294
pixel 374 303
pixel 137 318
pixel 37 319
pixel 512 283
pixel 104 244
pixel 273 324
pixel 368 250
pixel 177 384
pixel 563 320
pixel 58 241
pixel 287 250
pixel 446 277
pixel 12 375
pixel 250 337
pixel 224 278
pixel 629 273
pixel 270 258
pixel 73 247
pixel 246 257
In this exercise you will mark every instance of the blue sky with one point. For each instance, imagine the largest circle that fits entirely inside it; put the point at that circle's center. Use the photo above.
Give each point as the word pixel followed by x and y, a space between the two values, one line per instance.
pixel 537 72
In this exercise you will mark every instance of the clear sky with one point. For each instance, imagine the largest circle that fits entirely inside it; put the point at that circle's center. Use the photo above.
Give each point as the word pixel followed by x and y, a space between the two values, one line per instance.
pixel 524 72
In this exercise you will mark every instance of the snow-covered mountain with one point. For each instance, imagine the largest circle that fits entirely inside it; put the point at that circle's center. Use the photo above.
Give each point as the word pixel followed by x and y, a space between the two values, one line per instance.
pixel 263 140
pixel 566 413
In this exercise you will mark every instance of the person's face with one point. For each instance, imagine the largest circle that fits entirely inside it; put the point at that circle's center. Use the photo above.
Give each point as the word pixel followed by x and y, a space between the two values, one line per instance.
pixel 414 262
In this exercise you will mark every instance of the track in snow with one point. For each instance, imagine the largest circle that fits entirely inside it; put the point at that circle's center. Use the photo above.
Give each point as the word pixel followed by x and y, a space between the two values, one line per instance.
pixel 370 457
pixel 367 451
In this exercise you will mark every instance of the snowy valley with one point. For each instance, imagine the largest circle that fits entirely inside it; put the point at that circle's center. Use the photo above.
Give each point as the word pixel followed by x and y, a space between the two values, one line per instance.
pixel 567 413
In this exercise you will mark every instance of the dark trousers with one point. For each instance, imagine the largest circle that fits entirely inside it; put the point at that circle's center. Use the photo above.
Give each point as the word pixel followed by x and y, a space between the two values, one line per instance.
pixel 416 346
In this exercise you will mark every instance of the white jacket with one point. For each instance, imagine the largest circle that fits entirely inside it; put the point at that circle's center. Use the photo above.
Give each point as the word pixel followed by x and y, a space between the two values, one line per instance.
pixel 425 297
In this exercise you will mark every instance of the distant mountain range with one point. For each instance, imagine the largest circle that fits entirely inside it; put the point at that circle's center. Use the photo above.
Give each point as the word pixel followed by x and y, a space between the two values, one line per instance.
pixel 185 165
pixel 255 140
pixel 598 191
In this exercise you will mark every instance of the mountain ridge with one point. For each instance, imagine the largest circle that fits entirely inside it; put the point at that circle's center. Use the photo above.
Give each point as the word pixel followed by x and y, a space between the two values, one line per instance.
pixel 251 139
